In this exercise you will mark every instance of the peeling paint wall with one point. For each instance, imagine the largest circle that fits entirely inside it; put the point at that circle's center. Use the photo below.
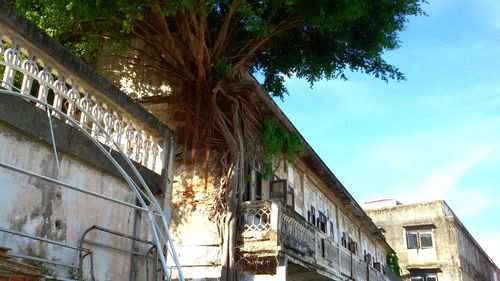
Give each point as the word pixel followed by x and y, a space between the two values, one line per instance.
pixel 38 208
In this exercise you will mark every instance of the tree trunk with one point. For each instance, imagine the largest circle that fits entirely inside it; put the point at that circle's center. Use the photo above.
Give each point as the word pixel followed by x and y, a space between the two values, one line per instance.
pixel 232 131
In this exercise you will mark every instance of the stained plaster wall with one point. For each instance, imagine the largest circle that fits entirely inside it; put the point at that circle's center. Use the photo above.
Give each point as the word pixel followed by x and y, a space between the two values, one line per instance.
pixel 453 252
pixel 38 208
pixel 193 229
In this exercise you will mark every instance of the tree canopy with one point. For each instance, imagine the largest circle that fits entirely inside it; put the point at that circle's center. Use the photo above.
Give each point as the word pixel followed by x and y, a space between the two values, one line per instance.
pixel 192 40
pixel 205 50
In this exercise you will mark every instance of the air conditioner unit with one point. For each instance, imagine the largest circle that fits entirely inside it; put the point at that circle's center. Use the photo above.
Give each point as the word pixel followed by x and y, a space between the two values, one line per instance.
pixel 377 266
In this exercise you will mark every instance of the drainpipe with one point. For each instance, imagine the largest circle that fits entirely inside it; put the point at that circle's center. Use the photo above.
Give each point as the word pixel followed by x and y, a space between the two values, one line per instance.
pixel 135 233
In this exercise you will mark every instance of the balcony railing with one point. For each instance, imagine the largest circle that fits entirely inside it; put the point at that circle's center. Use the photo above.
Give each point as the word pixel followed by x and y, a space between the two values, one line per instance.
pixel 27 69
pixel 268 227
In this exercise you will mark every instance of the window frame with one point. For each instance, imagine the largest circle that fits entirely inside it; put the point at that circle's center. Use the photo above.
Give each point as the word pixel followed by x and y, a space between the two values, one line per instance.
pixel 414 236
pixel 278 189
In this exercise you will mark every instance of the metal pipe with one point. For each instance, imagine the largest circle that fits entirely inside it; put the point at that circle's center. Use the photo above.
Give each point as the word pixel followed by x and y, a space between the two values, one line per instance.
pixel 54 147
pixel 43 260
pixel 122 234
pixel 147 261
pixel 113 248
pixel 172 249
pixel 22 171
pixel 43 239
pixel 159 248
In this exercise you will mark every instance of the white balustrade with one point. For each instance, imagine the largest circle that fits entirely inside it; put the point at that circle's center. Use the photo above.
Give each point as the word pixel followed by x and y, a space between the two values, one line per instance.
pixel 26 72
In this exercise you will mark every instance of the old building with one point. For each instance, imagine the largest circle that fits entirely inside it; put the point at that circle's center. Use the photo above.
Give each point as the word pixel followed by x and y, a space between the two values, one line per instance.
pixel 431 242
pixel 300 224
pixel 85 172
pixel 87 182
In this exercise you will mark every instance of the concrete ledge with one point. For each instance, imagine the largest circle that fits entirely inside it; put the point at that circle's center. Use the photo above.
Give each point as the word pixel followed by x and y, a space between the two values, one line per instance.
pixel 33 121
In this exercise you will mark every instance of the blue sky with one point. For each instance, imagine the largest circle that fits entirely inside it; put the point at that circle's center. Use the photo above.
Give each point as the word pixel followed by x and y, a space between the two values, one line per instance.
pixel 435 135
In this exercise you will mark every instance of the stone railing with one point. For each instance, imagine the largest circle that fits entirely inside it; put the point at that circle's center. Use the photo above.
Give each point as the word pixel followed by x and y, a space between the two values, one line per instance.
pixel 281 229
pixel 41 68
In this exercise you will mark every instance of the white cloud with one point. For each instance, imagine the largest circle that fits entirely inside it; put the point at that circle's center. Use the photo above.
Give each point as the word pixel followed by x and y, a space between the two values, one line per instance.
pixel 441 181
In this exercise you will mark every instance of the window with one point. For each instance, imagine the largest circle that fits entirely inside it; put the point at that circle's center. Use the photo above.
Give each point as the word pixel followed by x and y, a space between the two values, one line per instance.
pixel 424 274
pixel 419 238
pixel 344 240
pixel 332 230
pixel 278 189
pixel 321 222
pixel 311 215
pixel 290 197
pixel 253 190
pixel 258 186
pixel 352 246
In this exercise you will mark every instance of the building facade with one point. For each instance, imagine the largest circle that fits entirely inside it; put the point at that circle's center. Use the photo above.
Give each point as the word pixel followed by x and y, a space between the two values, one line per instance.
pixel 299 224
pixel 431 242
pixel 78 161
pixel 75 150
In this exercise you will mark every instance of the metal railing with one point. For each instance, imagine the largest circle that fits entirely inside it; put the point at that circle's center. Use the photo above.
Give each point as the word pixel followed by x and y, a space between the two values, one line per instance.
pixel 33 75
pixel 294 233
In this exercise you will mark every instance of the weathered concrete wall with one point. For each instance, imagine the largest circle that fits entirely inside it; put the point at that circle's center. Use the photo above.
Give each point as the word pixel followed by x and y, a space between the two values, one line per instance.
pixel 41 209
pixel 195 234
pixel 474 263
pixel 394 220
pixel 454 251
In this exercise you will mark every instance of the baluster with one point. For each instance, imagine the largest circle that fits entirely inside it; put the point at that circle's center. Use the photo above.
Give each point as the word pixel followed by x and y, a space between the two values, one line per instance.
pixel 129 136
pixel 109 124
pixel 31 68
pixel 98 114
pixel 146 146
pixel 12 57
pixel 61 89
pixel 46 79
pixel 138 139
pixel 119 129
pixel 86 104
pixel 155 150
pixel 74 97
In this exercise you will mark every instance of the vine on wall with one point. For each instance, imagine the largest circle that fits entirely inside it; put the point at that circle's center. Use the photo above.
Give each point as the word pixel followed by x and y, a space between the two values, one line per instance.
pixel 278 141
pixel 393 262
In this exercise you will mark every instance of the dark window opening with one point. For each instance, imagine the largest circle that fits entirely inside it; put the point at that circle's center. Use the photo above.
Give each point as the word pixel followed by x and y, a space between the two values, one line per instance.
pixel 311 215
pixel 290 197
pixel 258 186
pixel 352 246
pixel 253 189
pixel 322 222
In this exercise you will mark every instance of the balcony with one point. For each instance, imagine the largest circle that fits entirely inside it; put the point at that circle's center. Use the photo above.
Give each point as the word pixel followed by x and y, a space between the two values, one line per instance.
pixel 270 230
